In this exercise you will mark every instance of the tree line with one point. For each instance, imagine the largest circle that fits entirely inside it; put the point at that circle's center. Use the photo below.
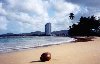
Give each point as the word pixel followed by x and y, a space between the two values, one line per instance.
pixel 88 26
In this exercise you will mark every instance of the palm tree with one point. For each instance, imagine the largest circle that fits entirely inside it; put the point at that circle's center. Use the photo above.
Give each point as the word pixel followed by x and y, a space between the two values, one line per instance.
pixel 71 16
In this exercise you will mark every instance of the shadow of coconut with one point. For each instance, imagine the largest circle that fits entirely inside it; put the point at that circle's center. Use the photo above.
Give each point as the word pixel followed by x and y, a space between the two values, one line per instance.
pixel 35 61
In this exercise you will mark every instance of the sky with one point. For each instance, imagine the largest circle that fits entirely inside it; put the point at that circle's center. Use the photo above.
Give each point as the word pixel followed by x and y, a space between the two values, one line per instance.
pixel 23 16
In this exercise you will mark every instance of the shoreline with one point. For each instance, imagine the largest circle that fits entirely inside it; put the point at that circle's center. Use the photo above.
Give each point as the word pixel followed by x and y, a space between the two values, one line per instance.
pixel 76 40
pixel 33 47
pixel 73 53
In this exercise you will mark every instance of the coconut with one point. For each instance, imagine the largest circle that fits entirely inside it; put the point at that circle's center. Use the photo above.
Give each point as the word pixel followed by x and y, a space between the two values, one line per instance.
pixel 45 56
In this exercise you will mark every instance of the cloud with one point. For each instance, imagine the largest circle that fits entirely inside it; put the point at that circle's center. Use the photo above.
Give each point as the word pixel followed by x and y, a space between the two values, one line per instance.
pixel 88 7
pixel 2 11
pixel 32 15
pixel 3 23
pixel 93 3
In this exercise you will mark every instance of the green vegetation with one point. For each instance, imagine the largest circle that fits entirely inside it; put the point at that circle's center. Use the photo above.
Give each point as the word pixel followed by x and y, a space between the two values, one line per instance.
pixel 88 26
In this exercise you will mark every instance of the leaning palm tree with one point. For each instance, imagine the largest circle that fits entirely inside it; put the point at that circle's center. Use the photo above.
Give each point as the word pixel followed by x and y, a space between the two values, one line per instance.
pixel 71 16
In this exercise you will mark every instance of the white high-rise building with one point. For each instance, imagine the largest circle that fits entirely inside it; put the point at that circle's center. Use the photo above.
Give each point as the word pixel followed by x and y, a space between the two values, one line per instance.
pixel 48 29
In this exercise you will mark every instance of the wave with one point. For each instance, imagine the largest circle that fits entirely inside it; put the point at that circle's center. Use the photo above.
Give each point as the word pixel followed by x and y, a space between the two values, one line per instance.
pixel 18 44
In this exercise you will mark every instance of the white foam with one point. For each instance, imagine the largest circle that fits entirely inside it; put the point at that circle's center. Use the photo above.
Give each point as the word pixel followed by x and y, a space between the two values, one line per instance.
pixel 26 43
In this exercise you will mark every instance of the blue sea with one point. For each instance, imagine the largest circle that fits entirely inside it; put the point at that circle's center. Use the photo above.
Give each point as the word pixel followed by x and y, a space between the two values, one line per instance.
pixel 12 44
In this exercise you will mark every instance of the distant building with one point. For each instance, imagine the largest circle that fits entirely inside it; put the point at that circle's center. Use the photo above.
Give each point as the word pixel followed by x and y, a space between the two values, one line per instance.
pixel 48 29
pixel 38 33
pixel 60 33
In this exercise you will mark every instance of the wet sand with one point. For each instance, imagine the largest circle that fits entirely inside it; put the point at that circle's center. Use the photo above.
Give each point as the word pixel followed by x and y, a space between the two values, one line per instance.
pixel 72 53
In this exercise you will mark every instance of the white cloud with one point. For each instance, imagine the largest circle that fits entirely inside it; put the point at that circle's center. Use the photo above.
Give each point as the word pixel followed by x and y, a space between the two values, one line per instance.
pixel 3 23
pixel 2 11
pixel 61 17
pixel 32 15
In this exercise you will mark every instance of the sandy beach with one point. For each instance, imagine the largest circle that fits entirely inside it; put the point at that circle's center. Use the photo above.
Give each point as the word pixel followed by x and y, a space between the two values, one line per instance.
pixel 71 53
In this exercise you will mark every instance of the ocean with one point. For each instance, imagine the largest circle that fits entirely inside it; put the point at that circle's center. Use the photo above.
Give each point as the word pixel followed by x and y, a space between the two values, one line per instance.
pixel 13 44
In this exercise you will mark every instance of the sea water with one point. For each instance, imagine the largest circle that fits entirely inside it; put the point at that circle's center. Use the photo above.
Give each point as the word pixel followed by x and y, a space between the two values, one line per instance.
pixel 11 44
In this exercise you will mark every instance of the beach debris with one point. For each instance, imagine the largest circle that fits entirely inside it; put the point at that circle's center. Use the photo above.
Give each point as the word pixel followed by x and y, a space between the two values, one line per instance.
pixel 45 56
pixel 83 39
